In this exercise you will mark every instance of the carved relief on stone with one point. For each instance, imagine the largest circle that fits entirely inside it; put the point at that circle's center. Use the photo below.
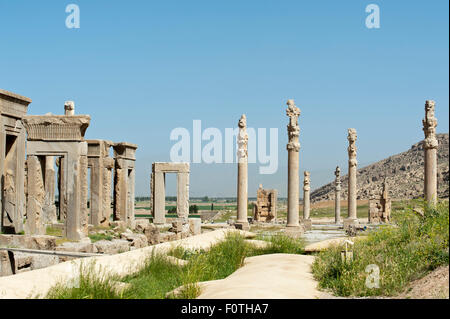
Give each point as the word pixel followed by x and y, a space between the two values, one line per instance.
pixel 293 128
pixel 242 152
pixel 337 173
pixel 83 194
pixel 429 126
pixel 306 181
pixel 9 202
pixel 352 147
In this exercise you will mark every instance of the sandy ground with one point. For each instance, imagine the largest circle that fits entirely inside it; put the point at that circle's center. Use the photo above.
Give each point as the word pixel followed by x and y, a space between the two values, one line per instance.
pixel 435 285
pixel 275 276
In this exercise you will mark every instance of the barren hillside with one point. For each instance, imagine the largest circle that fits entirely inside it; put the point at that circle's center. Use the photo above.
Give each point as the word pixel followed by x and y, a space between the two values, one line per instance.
pixel 404 174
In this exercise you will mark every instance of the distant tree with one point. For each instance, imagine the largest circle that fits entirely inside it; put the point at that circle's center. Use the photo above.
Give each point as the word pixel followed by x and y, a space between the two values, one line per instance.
pixel 205 199
pixel 212 206
pixel 172 210
pixel 193 209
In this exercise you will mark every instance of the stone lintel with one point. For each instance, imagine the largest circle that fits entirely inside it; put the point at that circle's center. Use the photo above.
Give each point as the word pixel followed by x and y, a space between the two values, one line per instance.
pixel 56 127
pixel 125 150
pixel 171 167
pixel 13 104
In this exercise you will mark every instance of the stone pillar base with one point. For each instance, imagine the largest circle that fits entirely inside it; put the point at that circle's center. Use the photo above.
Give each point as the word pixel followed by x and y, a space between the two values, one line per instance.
pixel 307 224
pixel 294 231
pixel 242 226
pixel 350 221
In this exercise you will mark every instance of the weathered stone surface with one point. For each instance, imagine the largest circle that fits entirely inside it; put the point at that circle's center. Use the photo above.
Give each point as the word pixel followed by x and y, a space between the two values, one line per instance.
pixel 114 246
pixel 13 107
pixel 153 235
pixel 293 148
pixel 167 236
pixel 79 247
pixel 41 242
pixel 36 197
pixel 157 190
pixel 380 207
pixel 141 224
pixel 177 226
pixel 265 208
pixel 242 182
pixel 195 226
pixel 124 182
pixel 136 240
pixel 6 268
pixel 430 144
pixel 43 261
pixel 56 127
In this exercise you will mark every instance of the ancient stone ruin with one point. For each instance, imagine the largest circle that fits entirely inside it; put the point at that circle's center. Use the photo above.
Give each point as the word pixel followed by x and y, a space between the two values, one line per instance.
pixel 352 163
pixel 265 207
pixel 158 190
pixel 306 201
pixel 242 184
pixel 430 146
pixel 337 197
pixel 380 207
pixel 13 108
pixel 293 148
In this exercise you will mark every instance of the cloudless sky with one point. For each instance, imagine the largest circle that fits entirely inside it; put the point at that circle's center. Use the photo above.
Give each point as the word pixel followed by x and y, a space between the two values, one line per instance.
pixel 143 68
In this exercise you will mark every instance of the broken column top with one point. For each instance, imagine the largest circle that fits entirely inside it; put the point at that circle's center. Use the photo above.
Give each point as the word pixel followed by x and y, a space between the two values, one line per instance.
pixel 125 150
pixel 99 148
pixel 69 108
pixel 56 127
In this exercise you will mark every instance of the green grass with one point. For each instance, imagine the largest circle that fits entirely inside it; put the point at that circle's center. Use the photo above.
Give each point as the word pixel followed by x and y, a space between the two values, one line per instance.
pixel 96 237
pixel 53 231
pixel 403 252
pixel 159 276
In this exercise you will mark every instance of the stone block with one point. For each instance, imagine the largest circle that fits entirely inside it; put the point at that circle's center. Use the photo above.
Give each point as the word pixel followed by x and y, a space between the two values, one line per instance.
pixel 136 240
pixel 114 246
pixel 141 224
pixel 195 226
pixel 152 234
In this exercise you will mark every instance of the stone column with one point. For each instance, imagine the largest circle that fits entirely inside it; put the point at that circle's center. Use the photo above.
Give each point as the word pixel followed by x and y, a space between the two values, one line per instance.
pixel 430 145
pixel 306 201
pixel 183 195
pixel 120 187
pixel 352 163
pixel 293 148
pixel 36 196
pixel 242 184
pixel 69 108
pixel 159 198
pixel 337 199
pixel 49 207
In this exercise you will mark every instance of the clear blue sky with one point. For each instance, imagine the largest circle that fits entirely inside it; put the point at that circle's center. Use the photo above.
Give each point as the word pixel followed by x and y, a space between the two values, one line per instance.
pixel 142 68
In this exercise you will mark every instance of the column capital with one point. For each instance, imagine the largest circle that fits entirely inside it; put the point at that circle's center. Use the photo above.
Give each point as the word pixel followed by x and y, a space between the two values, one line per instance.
pixel 429 126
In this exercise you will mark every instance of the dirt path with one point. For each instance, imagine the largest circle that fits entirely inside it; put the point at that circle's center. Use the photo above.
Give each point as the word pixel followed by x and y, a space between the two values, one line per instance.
pixel 272 276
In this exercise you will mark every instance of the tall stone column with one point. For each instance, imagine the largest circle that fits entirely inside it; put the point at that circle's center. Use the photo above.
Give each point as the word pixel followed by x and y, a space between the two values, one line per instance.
pixel 242 184
pixel 352 163
pixel 49 182
pixel 337 199
pixel 430 145
pixel 306 201
pixel 293 148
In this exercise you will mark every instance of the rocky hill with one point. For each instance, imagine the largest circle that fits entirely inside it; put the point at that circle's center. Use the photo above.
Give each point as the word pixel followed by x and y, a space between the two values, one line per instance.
pixel 404 174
